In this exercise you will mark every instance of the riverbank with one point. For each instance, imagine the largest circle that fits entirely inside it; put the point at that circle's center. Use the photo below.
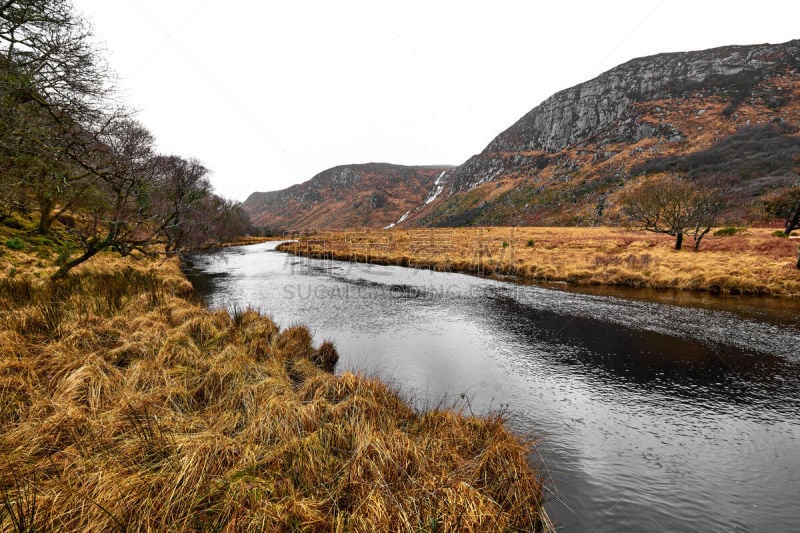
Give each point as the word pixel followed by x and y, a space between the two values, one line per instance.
pixel 125 405
pixel 247 241
pixel 752 261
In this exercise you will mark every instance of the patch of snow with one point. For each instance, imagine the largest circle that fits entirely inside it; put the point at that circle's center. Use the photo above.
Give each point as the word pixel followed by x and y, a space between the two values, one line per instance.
pixel 390 226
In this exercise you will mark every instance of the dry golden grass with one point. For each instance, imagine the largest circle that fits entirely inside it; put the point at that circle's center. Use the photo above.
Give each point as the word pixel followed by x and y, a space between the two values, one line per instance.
pixel 750 262
pixel 245 241
pixel 124 406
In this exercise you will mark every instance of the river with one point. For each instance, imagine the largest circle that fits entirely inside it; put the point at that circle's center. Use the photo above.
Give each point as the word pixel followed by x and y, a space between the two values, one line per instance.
pixel 649 416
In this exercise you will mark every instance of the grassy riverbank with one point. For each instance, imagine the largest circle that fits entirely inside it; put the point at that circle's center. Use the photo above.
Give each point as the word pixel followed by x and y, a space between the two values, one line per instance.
pixel 126 406
pixel 751 261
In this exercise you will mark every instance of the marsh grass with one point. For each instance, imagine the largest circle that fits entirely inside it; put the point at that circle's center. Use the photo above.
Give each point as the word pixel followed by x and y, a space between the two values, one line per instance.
pixel 747 261
pixel 126 407
pixel 18 504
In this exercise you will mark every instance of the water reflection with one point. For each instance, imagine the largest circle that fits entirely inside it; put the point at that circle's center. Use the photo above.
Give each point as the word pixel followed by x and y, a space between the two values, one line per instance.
pixel 690 369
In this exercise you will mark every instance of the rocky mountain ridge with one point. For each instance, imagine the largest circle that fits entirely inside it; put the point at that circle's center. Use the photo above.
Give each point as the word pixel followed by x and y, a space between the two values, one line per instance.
pixel 347 196
pixel 605 131
pixel 732 111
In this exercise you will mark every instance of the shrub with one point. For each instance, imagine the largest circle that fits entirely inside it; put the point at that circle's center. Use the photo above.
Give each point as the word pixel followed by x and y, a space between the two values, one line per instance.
pixel 727 232
pixel 15 244
pixel 530 243
pixel 779 233
pixel 325 357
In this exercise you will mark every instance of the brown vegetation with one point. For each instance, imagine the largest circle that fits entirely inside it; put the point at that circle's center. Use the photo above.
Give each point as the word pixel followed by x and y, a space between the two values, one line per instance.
pixel 124 406
pixel 751 261
pixel 370 195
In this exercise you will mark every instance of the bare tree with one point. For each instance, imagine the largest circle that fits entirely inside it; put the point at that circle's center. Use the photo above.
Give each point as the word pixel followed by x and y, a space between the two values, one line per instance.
pixel 41 161
pixel 785 204
pixel 49 58
pixel 227 220
pixel 66 147
pixel 674 206
pixel 182 190
pixel 10 189
pixel 119 212
pixel 53 93
pixel 711 196
pixel 145 202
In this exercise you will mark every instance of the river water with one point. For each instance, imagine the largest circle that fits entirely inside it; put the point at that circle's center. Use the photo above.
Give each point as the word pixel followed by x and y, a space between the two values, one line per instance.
pixel 649 416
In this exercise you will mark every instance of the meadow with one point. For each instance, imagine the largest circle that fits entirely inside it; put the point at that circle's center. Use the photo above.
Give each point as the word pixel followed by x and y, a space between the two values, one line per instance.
pixel 730 261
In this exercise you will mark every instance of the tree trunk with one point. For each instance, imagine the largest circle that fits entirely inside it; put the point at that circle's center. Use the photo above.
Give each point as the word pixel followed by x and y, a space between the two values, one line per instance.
pixel 66 267
pixel 45 218
pixel 699 237
pixel 678 241
pixel 793 221
pixel 798 259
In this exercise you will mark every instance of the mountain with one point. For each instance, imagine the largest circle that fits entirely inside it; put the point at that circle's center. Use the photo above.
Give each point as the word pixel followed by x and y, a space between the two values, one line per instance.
pixel 732 111
pixel 348 196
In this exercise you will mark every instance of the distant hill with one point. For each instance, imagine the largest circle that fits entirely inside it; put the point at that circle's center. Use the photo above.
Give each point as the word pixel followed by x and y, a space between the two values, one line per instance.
pixel 731 112
pixel 348 196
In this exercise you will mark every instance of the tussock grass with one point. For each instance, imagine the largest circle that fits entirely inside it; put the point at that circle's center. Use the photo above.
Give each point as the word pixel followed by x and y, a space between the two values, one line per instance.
pixel 750 261
pixel 125 406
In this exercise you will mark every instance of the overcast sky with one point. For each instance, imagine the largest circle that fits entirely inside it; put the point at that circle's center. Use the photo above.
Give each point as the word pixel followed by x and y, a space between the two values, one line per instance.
pixel 269 93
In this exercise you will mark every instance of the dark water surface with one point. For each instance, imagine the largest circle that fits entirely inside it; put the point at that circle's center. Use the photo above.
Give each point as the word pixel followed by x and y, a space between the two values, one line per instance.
pixel 650 416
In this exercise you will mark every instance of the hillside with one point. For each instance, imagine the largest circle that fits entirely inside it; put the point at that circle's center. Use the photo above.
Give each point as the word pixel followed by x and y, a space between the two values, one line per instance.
pixel 372 195
pixel 732 112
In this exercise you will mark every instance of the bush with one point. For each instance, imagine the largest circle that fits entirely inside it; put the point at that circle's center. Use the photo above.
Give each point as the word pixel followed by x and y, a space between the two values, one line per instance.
pixel 530 243
pixel 727 232
pixel 779 233
pixel 15 244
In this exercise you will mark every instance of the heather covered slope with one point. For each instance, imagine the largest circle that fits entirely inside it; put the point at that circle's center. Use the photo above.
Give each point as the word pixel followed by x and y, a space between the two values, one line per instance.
pixel 370 195
pixel 730 112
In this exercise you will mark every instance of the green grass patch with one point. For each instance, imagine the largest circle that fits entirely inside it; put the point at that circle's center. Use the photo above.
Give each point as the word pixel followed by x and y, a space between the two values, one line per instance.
pixel 15 243
pixel 41 240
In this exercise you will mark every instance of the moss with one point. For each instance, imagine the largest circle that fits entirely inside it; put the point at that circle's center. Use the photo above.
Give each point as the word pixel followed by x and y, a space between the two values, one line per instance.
pixel 15 243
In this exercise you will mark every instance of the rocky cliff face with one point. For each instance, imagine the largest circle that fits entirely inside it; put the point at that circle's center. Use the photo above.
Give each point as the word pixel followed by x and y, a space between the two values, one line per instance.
pixel 349 196
pixel 730 112
pixel 580 143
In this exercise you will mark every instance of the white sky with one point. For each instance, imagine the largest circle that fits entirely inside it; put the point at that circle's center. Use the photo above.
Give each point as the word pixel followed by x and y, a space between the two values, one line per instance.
pixel 269 93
